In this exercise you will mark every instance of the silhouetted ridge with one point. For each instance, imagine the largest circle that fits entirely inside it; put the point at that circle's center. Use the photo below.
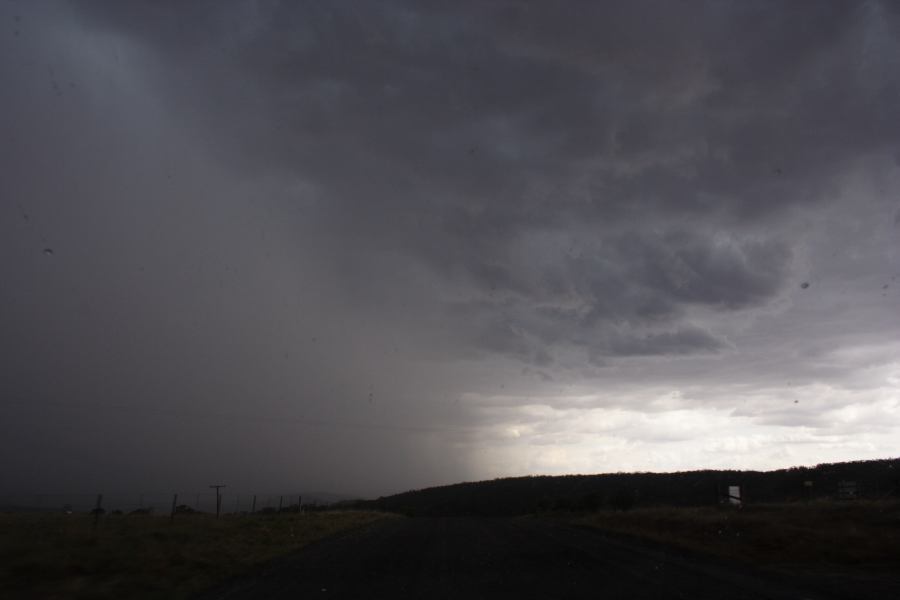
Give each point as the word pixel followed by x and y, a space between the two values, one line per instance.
pixel 523 495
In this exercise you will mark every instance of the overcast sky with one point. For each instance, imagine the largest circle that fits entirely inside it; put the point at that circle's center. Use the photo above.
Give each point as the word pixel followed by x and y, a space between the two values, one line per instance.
pixel 369 246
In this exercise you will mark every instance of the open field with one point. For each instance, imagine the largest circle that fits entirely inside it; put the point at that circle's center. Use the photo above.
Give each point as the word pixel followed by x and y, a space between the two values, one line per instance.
pixel 822 550
pixel 63 556
pixel 819 536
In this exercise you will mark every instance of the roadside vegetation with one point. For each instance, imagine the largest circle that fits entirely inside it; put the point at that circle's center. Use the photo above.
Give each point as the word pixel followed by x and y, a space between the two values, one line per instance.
pixel 815 536
pixel 140 556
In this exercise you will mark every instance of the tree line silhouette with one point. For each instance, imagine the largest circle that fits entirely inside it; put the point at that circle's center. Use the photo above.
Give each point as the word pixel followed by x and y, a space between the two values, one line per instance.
pixel 871 479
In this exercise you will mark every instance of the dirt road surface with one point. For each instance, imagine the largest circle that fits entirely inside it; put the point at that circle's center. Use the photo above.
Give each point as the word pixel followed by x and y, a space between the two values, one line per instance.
pixel 518 558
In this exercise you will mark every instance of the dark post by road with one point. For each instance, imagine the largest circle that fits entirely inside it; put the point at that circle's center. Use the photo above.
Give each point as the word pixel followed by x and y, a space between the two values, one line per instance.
pixel 253 506
pixel 299 503
pixel 218 498
pixel 280 501
pixel 98 509
pixel 174 504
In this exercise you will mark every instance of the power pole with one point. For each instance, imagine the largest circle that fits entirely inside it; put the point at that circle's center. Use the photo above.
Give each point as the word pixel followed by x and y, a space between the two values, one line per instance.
pixel 218 498
pixel 98 511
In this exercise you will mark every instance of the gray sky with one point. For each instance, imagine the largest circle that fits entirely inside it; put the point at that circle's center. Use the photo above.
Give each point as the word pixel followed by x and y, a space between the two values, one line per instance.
pixel 363 247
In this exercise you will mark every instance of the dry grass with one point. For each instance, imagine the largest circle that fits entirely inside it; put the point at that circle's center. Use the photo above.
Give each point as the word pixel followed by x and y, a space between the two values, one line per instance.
pixel 62 556
pixel 815 536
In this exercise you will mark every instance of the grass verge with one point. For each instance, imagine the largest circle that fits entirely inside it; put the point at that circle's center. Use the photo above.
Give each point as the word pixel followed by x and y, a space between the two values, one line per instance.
pixel 855 536
pixel 64 556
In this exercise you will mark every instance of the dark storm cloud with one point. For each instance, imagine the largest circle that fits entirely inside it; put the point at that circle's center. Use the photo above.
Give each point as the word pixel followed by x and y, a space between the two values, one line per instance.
pixel 379 215
pixel 471 128
pixel 685 341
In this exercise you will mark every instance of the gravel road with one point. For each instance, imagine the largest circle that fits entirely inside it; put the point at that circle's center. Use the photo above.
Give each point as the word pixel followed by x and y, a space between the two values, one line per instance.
pixel 518 558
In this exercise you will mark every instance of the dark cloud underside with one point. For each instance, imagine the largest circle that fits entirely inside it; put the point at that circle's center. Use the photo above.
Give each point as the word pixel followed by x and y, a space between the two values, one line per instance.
pixel 414 200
